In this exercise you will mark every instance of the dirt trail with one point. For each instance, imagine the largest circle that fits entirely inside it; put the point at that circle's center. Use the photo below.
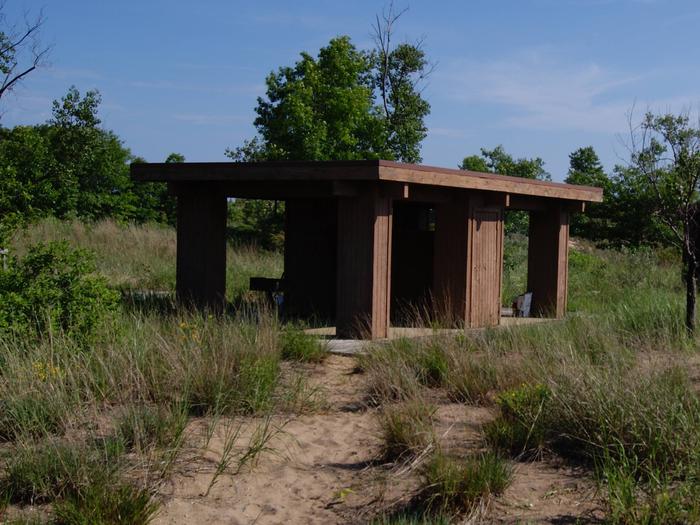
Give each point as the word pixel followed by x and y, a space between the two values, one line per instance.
pixel 325 470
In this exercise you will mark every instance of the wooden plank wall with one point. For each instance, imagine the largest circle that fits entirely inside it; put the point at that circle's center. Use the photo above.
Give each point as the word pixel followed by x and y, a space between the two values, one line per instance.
pixel 310 251
pixel 548 258
pixel 201 246
pixel 364 265
pixel 486 246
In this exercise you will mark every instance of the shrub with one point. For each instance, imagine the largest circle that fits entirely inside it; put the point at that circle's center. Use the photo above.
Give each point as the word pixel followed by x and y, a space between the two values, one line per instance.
pixel 297 345
pixel 53 287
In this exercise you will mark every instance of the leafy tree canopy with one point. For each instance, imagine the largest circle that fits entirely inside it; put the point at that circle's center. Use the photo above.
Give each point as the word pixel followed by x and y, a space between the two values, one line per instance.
pixel 499 161
pixel 328 107
pixel 70 167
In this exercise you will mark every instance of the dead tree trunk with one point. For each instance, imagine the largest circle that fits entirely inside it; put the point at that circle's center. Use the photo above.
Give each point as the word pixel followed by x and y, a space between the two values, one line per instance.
pixel 690 287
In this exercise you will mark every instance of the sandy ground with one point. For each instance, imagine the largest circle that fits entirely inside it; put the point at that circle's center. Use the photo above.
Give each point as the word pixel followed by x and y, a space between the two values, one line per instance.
pixel 325 471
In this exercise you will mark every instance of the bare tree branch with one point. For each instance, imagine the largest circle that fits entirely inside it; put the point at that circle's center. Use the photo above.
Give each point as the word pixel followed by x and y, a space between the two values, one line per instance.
pixel 20 50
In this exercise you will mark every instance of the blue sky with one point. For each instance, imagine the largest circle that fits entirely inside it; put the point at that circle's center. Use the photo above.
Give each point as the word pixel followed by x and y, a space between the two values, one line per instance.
pixel 541 77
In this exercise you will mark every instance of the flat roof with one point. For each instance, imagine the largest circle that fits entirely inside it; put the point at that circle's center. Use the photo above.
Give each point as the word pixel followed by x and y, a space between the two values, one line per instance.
pixel 358 170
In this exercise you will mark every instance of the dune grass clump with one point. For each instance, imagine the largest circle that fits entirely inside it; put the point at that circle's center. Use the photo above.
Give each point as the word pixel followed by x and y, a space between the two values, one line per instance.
pixel 142 427
pixel 417 517
pixel 460 485
pixel 100 504
pixel 521 428
pixel 297 345
pixel 407 428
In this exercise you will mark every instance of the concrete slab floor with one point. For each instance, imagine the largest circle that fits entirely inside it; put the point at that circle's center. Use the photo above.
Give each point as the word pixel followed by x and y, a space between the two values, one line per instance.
pixel 358 346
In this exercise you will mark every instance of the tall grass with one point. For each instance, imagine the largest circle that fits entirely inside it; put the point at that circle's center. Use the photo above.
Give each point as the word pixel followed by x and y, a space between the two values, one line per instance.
pixel 606 387
pixel 142 257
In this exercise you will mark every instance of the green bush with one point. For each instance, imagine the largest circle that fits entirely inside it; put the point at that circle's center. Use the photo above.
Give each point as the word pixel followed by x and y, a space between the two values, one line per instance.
pixel 53 287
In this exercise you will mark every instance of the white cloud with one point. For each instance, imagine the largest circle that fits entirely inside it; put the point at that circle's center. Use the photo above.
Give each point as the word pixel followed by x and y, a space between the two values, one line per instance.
pixel 539 91
pixel 543 93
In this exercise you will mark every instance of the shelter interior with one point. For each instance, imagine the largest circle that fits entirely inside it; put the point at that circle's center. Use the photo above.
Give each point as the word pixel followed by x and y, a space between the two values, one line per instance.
pixel 368 243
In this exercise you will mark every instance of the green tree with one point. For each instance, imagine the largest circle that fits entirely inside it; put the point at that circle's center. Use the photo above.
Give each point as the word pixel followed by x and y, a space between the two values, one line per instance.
pixel 153 203
pixel 71 167
pixel 322 108
pixel 499 161
pixel 666 162
pixel 28 189
pixel 398 72
pixel 94 159
pixel 585 169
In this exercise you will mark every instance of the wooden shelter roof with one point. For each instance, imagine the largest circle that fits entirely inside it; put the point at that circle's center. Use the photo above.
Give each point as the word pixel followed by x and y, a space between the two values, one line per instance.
pixel 359 170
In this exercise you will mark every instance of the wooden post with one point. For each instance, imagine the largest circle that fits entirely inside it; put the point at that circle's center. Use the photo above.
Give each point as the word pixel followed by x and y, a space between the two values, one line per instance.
pixel 486 264
pixel 547 261
pixel 364 265
pixel 451 260
pixel 310 251
pixel 201 246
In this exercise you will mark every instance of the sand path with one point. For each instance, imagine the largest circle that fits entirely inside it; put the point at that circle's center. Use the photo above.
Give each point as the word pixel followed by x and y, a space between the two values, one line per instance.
pixel 325 471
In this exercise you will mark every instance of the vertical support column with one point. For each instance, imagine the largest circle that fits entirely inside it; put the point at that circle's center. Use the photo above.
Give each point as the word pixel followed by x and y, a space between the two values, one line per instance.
pixel 547 261
pixel 451 260
pixel 364 265
pixel 201 246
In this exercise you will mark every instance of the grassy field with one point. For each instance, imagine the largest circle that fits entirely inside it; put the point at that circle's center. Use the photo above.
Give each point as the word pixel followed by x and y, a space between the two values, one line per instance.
pixel 93 435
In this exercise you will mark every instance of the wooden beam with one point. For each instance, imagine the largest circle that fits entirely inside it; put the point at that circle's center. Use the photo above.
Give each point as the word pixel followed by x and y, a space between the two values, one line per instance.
pixel 342 188
pixel 527 203
pixel 486 182
pixel 548 257
pixel 201 247
pixel 364 266
pixel 395 191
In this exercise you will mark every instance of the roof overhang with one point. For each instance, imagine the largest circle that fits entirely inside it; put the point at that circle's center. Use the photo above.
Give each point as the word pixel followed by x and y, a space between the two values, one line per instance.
pixel 360 170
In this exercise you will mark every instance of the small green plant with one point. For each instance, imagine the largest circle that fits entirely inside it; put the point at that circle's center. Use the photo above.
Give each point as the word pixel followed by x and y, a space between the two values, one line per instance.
pixel 407 428
pixel 458 485
pixel 297 345
pixel 522 425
